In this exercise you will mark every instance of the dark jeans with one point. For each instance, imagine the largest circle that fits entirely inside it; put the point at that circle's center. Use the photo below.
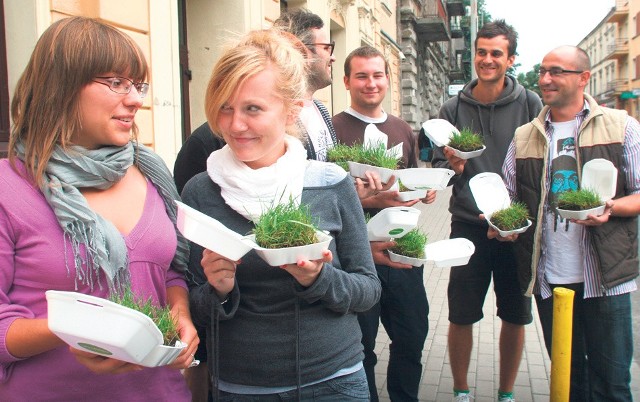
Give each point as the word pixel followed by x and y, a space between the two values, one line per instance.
pixel 601 344
pixel 347 388
pixel 403 310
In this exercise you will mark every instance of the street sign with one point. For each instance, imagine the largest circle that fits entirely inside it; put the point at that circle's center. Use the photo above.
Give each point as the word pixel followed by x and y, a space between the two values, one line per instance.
pixel 455 88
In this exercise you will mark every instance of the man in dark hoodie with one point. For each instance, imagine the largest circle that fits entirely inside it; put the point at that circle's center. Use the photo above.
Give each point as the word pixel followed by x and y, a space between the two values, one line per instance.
pixel 493 105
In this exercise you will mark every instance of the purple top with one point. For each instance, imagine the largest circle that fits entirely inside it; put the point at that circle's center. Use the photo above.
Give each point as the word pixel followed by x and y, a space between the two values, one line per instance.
pixel 32 260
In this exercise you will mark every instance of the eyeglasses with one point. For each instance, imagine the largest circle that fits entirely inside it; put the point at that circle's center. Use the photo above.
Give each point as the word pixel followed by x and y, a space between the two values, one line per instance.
pixel 331 45
pixel 121 85
pixel 556 71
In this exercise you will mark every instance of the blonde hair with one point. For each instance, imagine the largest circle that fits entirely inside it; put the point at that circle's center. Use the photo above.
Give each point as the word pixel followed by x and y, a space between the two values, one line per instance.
pixel 68 55
pixel 255 52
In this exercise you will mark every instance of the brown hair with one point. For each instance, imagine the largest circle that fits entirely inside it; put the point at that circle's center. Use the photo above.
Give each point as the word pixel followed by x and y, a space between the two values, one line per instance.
pixel 366 52
pixel 68 55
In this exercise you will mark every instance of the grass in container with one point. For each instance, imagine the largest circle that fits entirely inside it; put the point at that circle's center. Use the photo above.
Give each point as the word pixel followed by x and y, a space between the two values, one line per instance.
pixel 511 218
pixel 374 156
pixel 466 141
pixel 579 200
pixel 285 225
pixel 411 244
pixel 161 316
pixel 340 154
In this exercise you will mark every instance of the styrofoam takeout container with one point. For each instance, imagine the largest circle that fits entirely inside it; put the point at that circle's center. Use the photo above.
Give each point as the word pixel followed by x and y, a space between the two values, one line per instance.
pixel 425 178
pixel 290 255
pixel 359 169
pixel 210 233
pixel 600 176
pixel 392 222
pixel 403 259
pixel 106 328
pixel 440 132
pixel 491 195
pixel 411 195
pixel 450 252
pixel 470 154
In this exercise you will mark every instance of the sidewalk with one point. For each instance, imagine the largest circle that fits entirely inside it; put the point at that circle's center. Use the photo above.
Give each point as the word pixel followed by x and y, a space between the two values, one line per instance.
pixel 532 383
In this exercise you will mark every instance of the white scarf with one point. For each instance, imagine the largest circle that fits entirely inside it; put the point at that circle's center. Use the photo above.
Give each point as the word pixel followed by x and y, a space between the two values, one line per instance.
pixel 250 192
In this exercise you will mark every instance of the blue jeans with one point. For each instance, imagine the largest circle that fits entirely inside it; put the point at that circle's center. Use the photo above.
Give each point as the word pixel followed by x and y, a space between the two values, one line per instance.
pixel 601 344
pixel 403 310
pixel 348 388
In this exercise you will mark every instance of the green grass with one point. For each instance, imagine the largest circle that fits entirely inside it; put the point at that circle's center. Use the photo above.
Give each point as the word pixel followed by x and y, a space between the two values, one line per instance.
pixel 466 141
pixel 579 200
pixel 511 218
pixel 161 316
pixel 285 225
pixel 411 244
pixel 374 156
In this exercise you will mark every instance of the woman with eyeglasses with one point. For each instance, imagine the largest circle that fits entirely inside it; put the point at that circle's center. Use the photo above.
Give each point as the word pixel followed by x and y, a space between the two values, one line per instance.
pixel 285 332
pixel 84 208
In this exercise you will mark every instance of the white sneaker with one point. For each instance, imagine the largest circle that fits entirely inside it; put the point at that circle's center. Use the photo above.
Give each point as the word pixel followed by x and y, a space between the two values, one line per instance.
pixel 507 399
pixel 462 398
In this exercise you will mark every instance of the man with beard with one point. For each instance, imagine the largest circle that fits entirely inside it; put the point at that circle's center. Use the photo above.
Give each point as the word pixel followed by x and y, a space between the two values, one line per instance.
pixel 314 118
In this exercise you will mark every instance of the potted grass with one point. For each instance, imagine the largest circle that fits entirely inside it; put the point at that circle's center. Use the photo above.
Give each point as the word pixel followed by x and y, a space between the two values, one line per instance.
pixel 513 217
pixel 409 249
pixel 579 204
pixel 407 194
pixel 161 316
pixel 467 143
pixel 359 158
pixel 285 232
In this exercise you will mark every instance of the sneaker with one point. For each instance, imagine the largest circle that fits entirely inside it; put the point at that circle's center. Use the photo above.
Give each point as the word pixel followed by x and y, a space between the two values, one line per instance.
pixel 462 398
pixel 507 399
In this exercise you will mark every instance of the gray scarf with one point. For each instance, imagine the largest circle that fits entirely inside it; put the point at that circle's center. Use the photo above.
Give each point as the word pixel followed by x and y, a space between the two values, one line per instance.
pixel 105 247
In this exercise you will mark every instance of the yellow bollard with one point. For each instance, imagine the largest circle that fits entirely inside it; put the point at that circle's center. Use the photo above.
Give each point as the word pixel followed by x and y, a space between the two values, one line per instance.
pixel 561 344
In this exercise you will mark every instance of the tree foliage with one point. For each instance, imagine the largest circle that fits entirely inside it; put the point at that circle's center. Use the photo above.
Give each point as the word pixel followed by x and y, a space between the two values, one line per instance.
pixel 529 79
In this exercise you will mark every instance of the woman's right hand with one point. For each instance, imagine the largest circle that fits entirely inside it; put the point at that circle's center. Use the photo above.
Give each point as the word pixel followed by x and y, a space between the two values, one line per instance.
pixel 102 365
pixel 220 272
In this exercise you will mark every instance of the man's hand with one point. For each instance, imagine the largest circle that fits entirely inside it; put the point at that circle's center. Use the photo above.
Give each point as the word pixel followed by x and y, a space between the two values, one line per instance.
pixel 456 163
pixel 380 256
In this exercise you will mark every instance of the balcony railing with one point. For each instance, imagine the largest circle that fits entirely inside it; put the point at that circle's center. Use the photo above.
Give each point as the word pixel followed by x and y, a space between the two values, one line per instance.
pixel 455 7
pixel 618 49
pixel 432 26
pixel 621 11
pixel 618 86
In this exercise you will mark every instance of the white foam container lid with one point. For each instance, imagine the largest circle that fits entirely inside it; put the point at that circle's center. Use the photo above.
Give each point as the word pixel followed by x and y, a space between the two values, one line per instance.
pixel 600 175
pixel 392 222
pixel 430 178
pixel 439 131
pixel 450 252
pixel 210 233
pixel 103 327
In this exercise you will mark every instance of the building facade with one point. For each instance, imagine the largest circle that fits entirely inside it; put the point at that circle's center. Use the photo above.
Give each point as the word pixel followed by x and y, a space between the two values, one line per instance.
pixel 183 39
pixel 614 49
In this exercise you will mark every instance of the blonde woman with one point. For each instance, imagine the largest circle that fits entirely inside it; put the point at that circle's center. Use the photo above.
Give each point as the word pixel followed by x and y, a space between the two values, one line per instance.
pixel 84 208
pixel 288 332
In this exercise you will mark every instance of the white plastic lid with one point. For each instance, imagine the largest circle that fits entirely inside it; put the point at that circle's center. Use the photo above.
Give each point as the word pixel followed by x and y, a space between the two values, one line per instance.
pixel 439 131
pixel 600 175
pixel 490 193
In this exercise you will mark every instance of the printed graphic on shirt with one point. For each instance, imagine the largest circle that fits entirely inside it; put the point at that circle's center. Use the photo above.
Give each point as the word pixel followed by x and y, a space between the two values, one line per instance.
pixel 564 176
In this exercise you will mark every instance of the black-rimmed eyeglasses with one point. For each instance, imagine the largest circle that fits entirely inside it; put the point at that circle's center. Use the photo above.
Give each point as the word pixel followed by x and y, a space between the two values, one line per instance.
pixel 331 46
pixel 556 71
pixel 121 85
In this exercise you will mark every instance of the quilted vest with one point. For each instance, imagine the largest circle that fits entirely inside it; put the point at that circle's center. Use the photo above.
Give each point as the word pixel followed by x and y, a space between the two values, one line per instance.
pixel 601 135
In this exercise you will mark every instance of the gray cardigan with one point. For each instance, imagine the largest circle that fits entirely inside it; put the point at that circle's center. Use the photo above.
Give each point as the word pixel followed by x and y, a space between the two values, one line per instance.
pixel 268 310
